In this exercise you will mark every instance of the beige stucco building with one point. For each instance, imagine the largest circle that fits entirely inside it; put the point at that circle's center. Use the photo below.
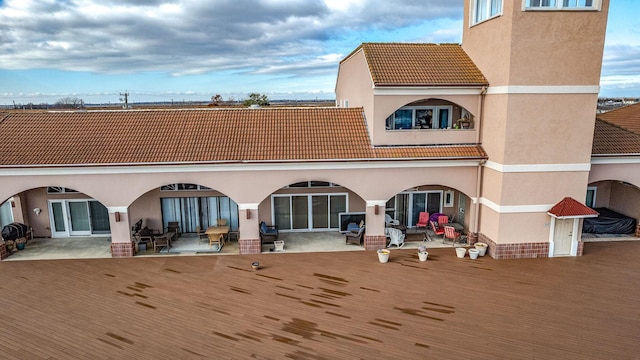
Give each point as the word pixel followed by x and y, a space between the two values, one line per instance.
pixel 493 133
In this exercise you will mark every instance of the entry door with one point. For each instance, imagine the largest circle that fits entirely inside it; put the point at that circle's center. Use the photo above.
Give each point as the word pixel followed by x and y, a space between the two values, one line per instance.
pixel 562 237
pixel 58 219
pixel 79 219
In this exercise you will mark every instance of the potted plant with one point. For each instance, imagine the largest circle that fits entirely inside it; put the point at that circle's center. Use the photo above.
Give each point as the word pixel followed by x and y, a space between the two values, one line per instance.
pixel 482 248
pixel 20 243
pixel 383 255
pixel 422 253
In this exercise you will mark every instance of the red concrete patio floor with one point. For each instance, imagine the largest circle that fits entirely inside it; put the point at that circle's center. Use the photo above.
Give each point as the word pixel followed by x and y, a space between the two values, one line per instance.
pixel 325 306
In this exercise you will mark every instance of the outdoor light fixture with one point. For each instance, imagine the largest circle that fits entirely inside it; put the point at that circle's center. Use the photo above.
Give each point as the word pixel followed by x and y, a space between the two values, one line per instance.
pixel 248 214
pixel 117 215
pixel 37 211
pixel 375 209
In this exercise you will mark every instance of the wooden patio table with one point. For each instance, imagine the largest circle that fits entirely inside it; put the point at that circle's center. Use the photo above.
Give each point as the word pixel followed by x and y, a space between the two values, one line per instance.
pixel 214 232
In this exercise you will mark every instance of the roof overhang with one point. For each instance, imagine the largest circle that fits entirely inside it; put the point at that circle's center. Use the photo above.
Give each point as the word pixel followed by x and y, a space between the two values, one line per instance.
pixel 597 159
pixel 427 90
pixel 570 208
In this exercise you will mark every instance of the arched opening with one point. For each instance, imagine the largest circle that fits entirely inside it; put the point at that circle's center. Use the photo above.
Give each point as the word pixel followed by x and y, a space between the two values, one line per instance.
pixel 412 211
pixel 187 211
pixel 618 203
pixel 309 215
pixel 430 114
pixel 63 223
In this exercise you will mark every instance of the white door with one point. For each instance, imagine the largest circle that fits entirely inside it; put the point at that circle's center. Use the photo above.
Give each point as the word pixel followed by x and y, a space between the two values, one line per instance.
pixel 58 219
pixel 562 237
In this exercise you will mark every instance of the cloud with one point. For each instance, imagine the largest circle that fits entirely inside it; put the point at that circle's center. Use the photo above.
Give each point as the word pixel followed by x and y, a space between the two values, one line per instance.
pixel 196 36
pixel 620 70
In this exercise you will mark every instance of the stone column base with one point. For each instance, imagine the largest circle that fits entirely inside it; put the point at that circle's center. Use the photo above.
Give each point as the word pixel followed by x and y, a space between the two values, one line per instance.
pixel 375 242
pixel 121 250
pixel 250 246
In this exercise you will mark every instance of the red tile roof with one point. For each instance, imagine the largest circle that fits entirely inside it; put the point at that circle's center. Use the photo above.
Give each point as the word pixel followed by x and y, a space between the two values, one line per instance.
pixel 627 118
pixel 200 136
pixel 412 64
pixel 617 132
pixel 569 208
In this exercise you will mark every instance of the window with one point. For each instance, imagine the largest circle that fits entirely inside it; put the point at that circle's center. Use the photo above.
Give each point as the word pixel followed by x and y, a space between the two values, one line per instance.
pixel 59 190
pixel 448 198
pixel 183 187
pixel 420 117
pixel 591 196
pixel 310 184
pixel 560 4
pixel 485 9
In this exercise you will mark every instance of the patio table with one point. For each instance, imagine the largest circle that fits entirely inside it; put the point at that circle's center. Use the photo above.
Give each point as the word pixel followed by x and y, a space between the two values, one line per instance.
pixel 214 232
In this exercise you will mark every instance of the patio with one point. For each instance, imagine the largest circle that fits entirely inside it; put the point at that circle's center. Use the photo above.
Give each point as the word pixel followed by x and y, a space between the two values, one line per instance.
pixel 325 306
pixel 190 244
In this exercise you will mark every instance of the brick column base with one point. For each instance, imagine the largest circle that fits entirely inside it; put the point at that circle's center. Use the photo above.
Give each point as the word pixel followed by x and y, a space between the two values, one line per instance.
pixel 124 249
pixel 3 251
pixel 250 246
pixel 518 251
pixel 472 238
pixel 375 242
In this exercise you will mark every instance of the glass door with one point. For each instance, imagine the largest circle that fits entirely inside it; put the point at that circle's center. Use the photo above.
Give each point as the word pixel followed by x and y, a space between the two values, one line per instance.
pixel 58 219
pixel 80 223
pixel 308 212
pixel 300 212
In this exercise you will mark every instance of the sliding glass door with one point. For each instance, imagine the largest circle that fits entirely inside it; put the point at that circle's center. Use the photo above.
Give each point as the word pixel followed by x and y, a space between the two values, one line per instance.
pixel 308 212
pixel 191 212
pixel 78 218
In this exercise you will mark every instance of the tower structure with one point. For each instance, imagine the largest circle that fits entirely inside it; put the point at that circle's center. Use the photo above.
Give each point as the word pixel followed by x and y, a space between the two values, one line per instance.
pixel 542 59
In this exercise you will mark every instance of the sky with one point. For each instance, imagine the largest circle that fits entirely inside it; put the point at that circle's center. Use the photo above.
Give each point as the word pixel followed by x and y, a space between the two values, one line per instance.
pixel 191 50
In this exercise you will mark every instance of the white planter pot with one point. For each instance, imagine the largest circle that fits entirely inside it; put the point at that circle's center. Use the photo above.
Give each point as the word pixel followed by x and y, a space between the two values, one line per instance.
pixel 423 256
pixel 473 253
pixel 278 245
pixel 482 248
pixel 383 255
pixel 460 252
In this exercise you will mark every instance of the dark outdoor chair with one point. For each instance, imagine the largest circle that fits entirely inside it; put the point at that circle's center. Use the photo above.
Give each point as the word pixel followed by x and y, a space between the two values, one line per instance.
pixel 174 228
pixel 354 237
pixel 268 234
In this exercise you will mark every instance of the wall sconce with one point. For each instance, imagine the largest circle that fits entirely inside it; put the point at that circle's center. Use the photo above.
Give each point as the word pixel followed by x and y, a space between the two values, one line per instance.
pixel 248 214
pixel 375 209
pixel 37 211
pixel 117 216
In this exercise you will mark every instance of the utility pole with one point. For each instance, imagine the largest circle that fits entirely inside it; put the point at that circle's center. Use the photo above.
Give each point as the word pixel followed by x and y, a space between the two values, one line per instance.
pixel 125 97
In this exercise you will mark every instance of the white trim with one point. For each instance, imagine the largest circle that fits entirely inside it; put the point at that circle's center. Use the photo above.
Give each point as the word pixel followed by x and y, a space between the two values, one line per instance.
pixel 577 89
pixel 615 160
pixel 160 168
pixel 532 168
pixel 573 251
pixel 426 90
pixel 571 217
pixel 371 203
pixel 250 206
pixel 515 209
pixel 597 6
pixel 115 209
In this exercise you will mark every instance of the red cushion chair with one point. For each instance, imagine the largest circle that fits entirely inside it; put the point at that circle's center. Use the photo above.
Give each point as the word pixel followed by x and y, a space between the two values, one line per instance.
pixel 423 220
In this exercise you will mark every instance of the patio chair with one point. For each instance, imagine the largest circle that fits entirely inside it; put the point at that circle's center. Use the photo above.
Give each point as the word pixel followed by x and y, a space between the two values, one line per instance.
pixel 268 234
pixel 443 219
pixel 450 234
pixel 396 237
pixel 174 228
pixel 201 234
pixel 438 230
pixel 389 222
pixel 354 237
pixel 423 220
pixel 161 241
pixel 217 239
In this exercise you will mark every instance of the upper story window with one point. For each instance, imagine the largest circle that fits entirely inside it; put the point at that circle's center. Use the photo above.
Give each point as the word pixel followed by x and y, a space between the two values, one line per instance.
pixel 561 4
pixel 485 9
pixel 420 117
pixel 183 187
pixel 59 190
